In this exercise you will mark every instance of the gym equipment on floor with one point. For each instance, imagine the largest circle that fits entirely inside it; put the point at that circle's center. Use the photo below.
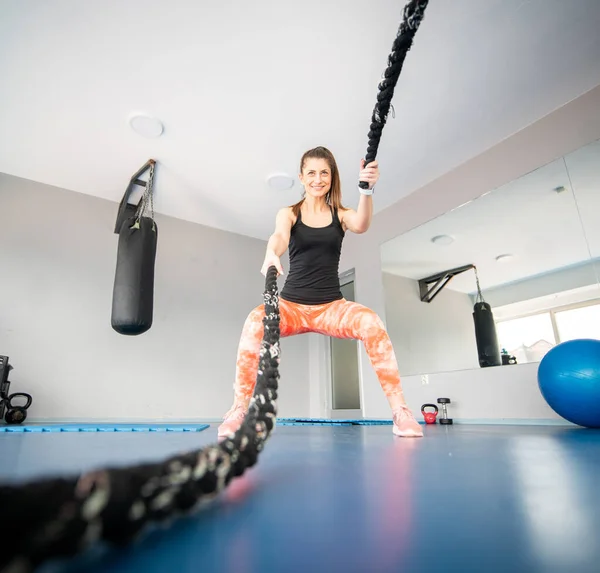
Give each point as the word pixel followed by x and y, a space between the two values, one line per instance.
pixel 444 420
pixel 11 412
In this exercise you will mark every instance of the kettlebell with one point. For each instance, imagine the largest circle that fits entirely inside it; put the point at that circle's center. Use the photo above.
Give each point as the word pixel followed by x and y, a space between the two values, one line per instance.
pixel 10 412
pixel 16 414
pixel 430 417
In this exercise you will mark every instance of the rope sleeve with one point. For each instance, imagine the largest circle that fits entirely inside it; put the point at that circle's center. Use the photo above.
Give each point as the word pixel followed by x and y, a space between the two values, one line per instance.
pixel 414 12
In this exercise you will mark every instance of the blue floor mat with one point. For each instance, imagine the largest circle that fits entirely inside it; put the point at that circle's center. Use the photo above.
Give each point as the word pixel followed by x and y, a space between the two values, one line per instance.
pixel 328 422
pixel 381 502
pixel 104 428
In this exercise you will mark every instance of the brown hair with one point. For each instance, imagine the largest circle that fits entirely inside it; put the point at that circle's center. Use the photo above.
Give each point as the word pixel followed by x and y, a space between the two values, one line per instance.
pixel 334 195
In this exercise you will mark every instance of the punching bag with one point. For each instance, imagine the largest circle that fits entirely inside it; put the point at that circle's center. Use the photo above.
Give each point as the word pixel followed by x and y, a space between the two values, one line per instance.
pixel 486 336
pixel 133 291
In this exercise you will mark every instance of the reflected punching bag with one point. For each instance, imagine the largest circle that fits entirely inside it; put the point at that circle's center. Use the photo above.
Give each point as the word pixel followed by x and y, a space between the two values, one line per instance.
pixel 133 290
pixel 485 332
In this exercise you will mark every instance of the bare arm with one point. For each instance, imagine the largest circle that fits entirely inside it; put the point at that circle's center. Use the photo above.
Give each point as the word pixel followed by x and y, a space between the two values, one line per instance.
pixel 278 241
pixel 359 221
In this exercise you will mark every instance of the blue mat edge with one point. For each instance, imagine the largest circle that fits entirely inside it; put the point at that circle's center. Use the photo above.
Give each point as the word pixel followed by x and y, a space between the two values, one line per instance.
pixel 74 427
pixel 47 428
pixel 329 422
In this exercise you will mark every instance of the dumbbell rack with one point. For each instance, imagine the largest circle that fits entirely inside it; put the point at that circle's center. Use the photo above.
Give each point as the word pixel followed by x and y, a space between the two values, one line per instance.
pixel 9 412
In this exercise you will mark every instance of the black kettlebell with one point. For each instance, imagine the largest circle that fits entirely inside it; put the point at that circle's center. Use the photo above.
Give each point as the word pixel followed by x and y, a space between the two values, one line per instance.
pixel 17 414
pixel 11 413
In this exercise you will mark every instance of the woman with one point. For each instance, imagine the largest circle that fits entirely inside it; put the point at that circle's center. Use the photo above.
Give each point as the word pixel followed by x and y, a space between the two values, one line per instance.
pixel 311 300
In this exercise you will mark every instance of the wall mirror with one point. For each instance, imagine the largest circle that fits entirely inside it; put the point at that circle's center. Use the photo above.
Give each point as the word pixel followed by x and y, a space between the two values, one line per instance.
pixel 528 250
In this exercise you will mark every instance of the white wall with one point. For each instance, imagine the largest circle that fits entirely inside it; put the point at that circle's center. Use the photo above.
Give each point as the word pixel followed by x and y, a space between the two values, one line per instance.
pixel 501 393
pixel 568 128
pixel 429 337
pixel 57 264
pixel 571 278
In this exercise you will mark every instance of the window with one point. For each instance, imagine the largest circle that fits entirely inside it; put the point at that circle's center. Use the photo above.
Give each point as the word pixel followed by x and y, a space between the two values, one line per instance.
pixel 529 338
pixel 582 322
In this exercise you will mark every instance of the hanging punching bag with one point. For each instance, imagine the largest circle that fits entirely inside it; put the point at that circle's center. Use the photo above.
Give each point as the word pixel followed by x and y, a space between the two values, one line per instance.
pixel 485 330
pixel 486 336
pixel 133 290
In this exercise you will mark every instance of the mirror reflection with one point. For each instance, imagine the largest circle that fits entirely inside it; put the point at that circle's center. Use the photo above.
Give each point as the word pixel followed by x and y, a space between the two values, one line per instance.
pixel 502 279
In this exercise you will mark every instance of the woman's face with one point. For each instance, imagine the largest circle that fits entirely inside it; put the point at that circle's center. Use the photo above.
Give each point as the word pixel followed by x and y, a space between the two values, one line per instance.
pixel 316 177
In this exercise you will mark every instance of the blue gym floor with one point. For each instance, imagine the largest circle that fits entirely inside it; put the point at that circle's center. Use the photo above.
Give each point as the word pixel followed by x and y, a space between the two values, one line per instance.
pixel 465 498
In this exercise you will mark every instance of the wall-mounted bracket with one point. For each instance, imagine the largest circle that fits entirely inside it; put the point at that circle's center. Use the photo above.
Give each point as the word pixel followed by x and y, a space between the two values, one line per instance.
pixel 126 209
pixel 439 281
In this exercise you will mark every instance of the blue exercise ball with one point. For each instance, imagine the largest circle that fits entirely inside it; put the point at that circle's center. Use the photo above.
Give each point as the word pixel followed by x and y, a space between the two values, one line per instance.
pixel 569 380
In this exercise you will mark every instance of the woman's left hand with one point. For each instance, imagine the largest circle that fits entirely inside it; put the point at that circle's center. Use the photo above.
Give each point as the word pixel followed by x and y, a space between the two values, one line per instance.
pixel 369 173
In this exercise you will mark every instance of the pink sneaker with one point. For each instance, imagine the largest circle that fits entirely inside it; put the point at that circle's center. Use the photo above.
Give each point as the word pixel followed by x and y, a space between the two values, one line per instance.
pixel 232 421
pixel 405 424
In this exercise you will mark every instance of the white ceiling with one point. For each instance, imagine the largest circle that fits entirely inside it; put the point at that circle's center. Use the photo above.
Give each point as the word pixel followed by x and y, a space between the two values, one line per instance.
pixel 243 88
pixel 542 229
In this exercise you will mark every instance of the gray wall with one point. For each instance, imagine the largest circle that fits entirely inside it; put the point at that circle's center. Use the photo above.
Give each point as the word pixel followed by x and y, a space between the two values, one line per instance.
pixel 57 264
pixel 501 394
pixel 429 338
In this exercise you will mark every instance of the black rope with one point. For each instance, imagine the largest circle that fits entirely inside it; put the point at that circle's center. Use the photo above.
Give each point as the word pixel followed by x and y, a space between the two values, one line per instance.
pixel 411 20
pixel 61 517
pixel 54 518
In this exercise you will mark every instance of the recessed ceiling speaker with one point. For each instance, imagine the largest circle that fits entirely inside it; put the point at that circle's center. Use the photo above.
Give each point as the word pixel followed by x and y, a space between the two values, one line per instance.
pixel 442 240
pixel 146 126
pixel 280 181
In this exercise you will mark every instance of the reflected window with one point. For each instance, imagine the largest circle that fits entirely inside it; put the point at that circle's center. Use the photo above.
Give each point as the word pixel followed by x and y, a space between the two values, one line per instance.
pixel 529 338
pixel 582 322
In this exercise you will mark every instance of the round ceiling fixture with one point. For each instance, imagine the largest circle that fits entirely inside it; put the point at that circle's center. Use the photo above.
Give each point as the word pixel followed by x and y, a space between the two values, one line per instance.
pixel 145 125
pixel 280 181
pixel 504 258
pixel 442 240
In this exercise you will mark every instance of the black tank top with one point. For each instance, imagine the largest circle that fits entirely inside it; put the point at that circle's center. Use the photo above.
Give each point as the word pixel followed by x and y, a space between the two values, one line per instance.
pixel 314 253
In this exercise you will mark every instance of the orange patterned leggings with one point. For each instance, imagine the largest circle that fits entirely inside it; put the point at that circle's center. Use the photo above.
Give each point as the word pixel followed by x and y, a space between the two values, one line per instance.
pixel 339 319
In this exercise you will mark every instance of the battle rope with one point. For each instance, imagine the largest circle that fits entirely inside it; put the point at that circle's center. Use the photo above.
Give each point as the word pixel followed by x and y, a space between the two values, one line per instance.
pixel 411 20
pixel 61 517
pixel 53 518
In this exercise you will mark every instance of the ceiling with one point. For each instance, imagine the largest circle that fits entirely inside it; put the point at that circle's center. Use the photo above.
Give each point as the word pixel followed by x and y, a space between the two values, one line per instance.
pixel 243 88
pixel 543 229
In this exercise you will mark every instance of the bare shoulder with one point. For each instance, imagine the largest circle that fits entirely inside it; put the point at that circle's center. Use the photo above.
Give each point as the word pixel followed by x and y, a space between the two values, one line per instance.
pixel 284 220
pixel 286 216
pixel 285 212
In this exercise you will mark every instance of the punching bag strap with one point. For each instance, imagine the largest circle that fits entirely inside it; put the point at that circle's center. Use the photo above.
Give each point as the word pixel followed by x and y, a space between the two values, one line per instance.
pixel 479 295
pixel 127 210
pixel 147 199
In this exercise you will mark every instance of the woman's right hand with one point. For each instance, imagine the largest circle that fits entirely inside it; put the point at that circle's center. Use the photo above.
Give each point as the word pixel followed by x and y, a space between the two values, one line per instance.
pixel 271 259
